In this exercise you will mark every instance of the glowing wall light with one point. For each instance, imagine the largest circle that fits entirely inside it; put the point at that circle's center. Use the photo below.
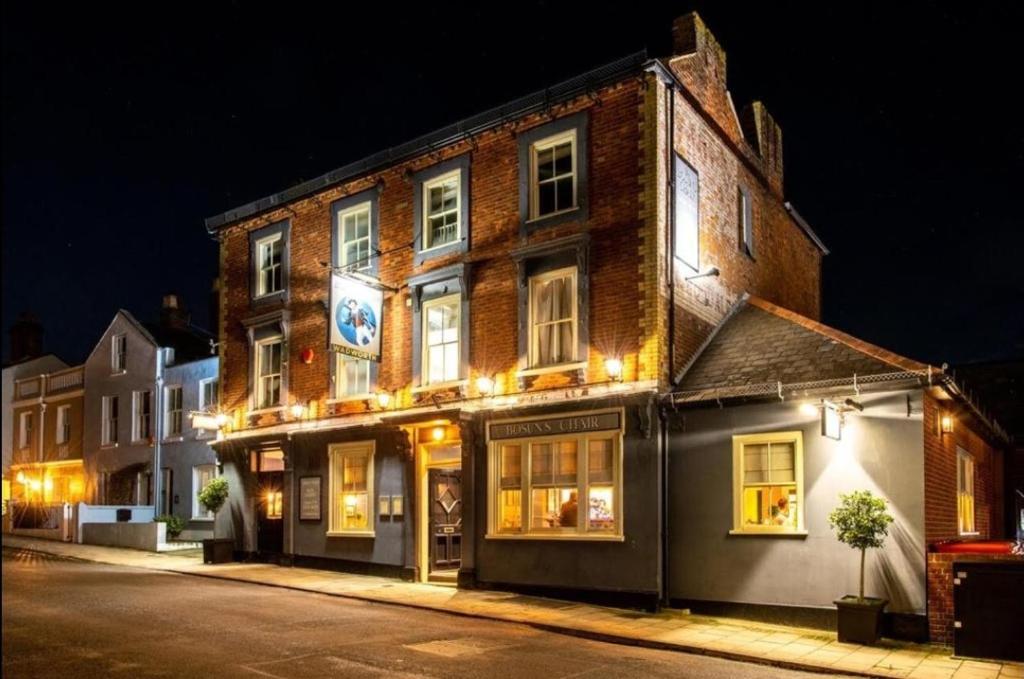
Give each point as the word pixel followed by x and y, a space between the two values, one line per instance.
pixel 613 367
pixel 831 421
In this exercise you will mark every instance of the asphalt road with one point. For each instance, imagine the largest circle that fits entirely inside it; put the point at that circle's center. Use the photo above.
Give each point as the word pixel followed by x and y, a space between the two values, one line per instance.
pixel 65 618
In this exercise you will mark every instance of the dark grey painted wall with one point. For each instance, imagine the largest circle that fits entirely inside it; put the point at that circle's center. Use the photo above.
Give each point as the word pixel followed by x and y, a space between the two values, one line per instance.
pixel 881 450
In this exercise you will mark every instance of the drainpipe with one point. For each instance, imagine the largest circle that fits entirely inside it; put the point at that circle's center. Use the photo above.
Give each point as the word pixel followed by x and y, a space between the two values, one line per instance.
pixel 662 419
pixel 157 433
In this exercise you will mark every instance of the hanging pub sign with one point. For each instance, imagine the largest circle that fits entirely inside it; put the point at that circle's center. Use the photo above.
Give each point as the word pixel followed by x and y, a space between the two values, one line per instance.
pixel 355 322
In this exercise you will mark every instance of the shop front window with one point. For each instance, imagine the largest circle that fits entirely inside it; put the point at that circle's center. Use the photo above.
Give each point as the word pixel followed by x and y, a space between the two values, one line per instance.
pixel 351 485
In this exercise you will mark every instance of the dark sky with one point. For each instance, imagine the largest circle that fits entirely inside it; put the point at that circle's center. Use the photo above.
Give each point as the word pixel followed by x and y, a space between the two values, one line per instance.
pixel 123 129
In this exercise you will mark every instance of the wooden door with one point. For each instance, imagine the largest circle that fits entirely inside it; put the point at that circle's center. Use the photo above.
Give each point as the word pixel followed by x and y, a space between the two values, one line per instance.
pixel 445 530
pixel 270 514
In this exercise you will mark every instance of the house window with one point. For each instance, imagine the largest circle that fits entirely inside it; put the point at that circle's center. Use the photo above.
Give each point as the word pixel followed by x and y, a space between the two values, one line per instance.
pixel 354 238
pixel 201 476
pixel 745 219
pixel 25 430
pixel 351 488
pixel 686 214
pixel 565 486
pixel 118 353
pixel 141 415
pixel 269 272
pixel 553 175
pixel 553 318
pixel 108 433
pixel 768 483
pixel 63 424
pixel 441 213
pixel 268 373
pixel 965 492
pixel 173 412
pixel 441 339
pixel 351 376
pixel 208 394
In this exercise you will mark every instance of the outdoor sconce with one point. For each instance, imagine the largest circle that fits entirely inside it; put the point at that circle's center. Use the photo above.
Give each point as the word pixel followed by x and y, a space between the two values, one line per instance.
pixel 613 366
pixel 298 410
pixel 831 421
pixel 485 385
pixel 437 433
pixel 946 423
pixel 809 409
pixel 222 420
pixel 383 399
pixel 21 477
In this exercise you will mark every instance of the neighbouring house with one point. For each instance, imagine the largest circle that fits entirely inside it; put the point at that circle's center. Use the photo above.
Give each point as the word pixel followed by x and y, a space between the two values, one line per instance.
pixel 774 417
pixel 143 382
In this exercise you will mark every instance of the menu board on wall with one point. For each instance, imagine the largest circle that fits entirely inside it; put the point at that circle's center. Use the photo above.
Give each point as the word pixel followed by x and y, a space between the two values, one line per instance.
pixel 309 498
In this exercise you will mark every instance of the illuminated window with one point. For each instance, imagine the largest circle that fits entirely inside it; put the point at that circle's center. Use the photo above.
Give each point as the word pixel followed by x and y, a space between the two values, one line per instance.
pixel 351 376
pixel 118 353
pixel 354 238
pixel 553 318
pixel 274 500
pixel 24 430
pixel 108 433
pixel 173 412
pixel 553 175
pixel 208 394
pixel 441 210
pixel 63 424
pixel 686 215
pixel 441 339
pixel 745 221
pixel 141 415
pixel 965 492
pixel 268 373
pixel 768 475
pixel 201 477
pixel 270 270
pixel 351 488
pixel 566 486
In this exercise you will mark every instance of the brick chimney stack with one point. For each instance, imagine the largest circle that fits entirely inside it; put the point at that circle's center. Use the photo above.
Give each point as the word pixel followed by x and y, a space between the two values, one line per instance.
pixel 173 314
pixel 765 137
pixel 26 337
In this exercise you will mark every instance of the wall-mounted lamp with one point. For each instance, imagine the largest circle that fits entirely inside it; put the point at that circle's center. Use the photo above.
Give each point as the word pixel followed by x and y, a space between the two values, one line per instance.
pixel 383 399
pixel 485 385
pixel 713 271
pixel 808 409
pixel 298 410
pixel 831 421
pixel 21 477
pixel 613 366
pixel 946 423
pixel 437 433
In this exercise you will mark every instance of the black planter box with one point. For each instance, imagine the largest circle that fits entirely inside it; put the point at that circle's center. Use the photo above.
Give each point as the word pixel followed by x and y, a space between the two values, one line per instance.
pixel 219 550
pixel 860 620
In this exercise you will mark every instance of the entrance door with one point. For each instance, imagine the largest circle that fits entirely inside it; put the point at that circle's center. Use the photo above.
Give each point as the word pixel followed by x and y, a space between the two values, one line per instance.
pixel 445 530
pixel 270 513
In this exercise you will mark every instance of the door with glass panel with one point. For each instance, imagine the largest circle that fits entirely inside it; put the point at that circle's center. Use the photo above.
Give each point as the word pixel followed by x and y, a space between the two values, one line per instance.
pixel 445 518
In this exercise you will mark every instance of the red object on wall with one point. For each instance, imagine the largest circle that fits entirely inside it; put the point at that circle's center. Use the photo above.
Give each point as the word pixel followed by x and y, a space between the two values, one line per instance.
pixel 307 355
pixel 973 547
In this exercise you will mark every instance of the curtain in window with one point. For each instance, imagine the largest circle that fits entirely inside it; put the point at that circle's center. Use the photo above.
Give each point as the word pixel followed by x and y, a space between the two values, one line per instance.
pixel 555 343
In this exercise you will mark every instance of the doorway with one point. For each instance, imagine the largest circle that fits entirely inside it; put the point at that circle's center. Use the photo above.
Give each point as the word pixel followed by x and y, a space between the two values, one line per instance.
pixel 440 502
pixel 270 504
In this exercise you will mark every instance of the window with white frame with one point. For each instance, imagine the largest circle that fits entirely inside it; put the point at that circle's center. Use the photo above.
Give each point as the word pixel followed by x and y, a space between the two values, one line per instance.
pixel 174 414
pixel 63 424
pixel 441 210
pixel 441 327
pixel 269 266
pixel 351 488
pixel 118 353
pixel 354 237
pixel 24 430
pixel 965 492
pixel 553 175
pixel 768 483
pixel 141 415
pixel 208 394
pixel 201 476
pixel 745 219
pixel 564 486
pixel 686 215
pixel 553 322
pixel 268 372
pixel 108 430
pixel 351 376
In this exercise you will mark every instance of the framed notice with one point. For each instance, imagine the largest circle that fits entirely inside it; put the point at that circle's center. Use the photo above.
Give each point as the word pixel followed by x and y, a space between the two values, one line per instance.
pixel 309 498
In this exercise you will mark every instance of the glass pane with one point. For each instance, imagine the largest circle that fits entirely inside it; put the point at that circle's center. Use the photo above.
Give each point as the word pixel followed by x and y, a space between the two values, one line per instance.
pixel 435 323
pixel 511 467
pixel 599 464
pixel 271 461
pixel 563 159
pixel 541 464
pixel 510 509
pixel 601 514
pixel 450 194
pixel 354 511
pixel 781 457
pixel 566 461
pixel 451 361
pixel 354 473
pixel 362 228
pixel 555 507
pixel 349 227
pixel 545 164
pixel 546 198
pixel 563 197
pixel 770 506
pixel 755 463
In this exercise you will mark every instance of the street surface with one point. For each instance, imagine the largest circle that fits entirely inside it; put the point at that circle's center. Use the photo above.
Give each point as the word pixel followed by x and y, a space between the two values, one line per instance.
pixel 65 618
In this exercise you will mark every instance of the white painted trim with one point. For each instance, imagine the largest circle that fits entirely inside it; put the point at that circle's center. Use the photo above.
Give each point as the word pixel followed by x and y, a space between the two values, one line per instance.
pixel 740 440
pixel 549 369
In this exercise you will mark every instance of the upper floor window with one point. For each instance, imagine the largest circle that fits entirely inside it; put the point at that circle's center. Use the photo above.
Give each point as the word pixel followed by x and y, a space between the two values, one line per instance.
pixel 24 430
pixel 441 217
pixel 768 475
pixel 441 208
pixel 441 330
pixel 965 492
pixel 174 413
pixel 268 372
pixel 208 394
pixel 108 430
pixel 553 175
pixel 351 488
pixel 269 274
pixel 63 424
pixel 351 376
pixel 553 325
pixel 745 219
pixel 141 415
pixel 440 342
pixel 118 353
pixel 354 238
pixel 686 215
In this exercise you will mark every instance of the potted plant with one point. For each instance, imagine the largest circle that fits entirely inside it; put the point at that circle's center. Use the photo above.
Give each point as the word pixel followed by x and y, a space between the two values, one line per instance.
pixel 861 521
pixel 175 524
pixel 213 496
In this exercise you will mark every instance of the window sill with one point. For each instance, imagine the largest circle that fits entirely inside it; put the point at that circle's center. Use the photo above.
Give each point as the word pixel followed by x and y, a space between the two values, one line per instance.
pixel 574 537
pixel 118 373
pixel 550 215
pixel 351 534
pixel 266 411
pixel 349 399
pixel 441 386
pixel 549 369
pixel 973 534
pixel 769 533
pixel 108 446
pixel 140 442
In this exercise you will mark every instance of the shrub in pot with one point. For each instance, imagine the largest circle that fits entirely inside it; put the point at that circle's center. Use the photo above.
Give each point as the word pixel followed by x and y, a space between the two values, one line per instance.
pixel 213 496
pixel 175 524
pixel 861 521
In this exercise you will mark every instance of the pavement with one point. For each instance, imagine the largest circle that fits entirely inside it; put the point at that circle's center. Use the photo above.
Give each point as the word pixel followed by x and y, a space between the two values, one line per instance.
pixel 779 646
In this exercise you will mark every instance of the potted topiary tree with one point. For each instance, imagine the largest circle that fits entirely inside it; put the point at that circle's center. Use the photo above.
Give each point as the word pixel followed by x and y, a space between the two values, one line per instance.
pixel 861 521
pixel 213 497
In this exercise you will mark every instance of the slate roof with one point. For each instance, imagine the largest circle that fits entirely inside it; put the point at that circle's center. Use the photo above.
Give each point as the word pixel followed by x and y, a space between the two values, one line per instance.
pixel 760 342
pixel 189 343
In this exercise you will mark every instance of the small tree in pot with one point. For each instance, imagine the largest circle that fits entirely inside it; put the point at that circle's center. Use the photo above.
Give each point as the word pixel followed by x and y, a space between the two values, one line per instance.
pixel 213 496
pixel 861 521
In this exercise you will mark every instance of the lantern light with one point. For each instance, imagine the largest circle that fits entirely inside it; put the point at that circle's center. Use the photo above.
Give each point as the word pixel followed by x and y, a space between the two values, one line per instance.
pixel 485 385
pixel 298 410
pixel 613 366
pixel 383 399
pixel 437 433
pixel 808 409
pixel 946 423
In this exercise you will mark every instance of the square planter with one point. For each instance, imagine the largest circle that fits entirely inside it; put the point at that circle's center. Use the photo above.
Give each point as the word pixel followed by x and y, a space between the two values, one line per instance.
pixel 860 620
pixel 219 550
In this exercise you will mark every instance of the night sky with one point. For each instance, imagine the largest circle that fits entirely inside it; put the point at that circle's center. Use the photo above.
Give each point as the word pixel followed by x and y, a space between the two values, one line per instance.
pixel 123 129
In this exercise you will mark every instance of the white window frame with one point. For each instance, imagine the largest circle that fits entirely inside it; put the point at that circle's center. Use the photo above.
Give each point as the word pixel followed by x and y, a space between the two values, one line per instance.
pixel 261 279
pixel 108 425
pixel 204 402
pixel 199 513
pixel 745 208
pixel 119 354
pixel 455 300
pixel 741 440
pixel 534 341
pixel 25 430
pixel 342 450
pixel 426 243
pixel 169 413
pixel 542 145
pixel 259 388
pixel 138 398
pixel 63 433
pixel 353 211
pixel 965 493
pixel 339 378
